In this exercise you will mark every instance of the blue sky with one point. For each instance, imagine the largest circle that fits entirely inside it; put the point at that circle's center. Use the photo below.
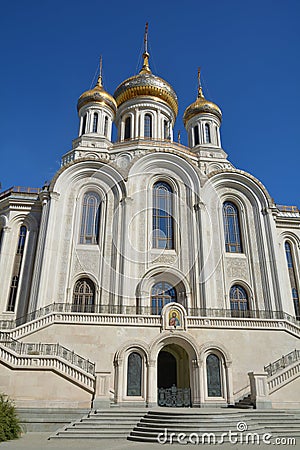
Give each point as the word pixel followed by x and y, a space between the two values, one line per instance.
pixel 248 52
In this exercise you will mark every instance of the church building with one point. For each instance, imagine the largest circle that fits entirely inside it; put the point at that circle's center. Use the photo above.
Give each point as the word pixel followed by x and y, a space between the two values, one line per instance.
pixel 148 273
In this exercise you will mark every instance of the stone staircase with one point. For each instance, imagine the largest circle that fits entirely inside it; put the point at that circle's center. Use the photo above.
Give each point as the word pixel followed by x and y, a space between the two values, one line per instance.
pixel 244 403
pixel 144 425
pixel 47 419
pixel 169 424
pixel 113 423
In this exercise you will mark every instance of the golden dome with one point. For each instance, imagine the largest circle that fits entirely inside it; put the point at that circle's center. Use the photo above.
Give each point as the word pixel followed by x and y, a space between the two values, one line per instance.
pixel 145 84
pixel 97 95
pixel 200 106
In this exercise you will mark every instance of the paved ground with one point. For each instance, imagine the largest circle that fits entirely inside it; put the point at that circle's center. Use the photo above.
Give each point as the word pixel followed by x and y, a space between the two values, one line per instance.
pixel 39 441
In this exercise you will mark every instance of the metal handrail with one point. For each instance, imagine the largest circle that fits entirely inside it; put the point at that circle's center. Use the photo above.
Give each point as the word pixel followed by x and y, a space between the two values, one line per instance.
pixel 283 362
pixel 144 310
pixel 26 348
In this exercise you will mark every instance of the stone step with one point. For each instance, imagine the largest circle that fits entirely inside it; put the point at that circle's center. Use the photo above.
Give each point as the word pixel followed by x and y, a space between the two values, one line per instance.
pixel 91 427
pixel 103 435
pixel 155 423
pixel 105 421
pixel 155 419
pixel 47 419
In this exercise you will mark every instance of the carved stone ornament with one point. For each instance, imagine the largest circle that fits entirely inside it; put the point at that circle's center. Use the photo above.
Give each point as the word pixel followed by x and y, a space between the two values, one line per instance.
pixel 165 259
pixel 237 268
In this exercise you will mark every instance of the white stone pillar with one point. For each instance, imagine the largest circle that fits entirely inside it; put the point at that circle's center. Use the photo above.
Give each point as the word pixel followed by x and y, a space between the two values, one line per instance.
pixel 118 384
pixel 152 384
pixel 195 383
pixel 259 390
pixel 40 249
pixel 229 384
pixel 102 385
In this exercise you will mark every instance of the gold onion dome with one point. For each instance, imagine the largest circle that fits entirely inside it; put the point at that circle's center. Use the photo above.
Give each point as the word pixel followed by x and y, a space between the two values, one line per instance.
pixel 97 95
pixel 201 106
pixel 145 84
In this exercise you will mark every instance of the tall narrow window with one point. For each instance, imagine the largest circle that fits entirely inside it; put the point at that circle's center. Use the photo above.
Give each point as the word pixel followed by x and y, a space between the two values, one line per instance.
pixel 21 241
pixel 239 303
pixel 105 126
pixel 196 135
pixel 207 133
pixel 162 293
pixel 95 122
pixel 127 133
pixel 292 276
pixel 217 135
pixel 232 231
pixel 162 216
pixel 84 296
pixel 17 269
pixel 214 387
pixel 13 294
pixel 90 217
pixel 148 126
pixel 83 128
pixel 134 375
pixel 166 130
pixel 1 238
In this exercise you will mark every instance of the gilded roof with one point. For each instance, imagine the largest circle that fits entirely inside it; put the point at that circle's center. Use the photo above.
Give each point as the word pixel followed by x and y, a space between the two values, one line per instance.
pixel 148 85
pixel 97 95
pixel 201 105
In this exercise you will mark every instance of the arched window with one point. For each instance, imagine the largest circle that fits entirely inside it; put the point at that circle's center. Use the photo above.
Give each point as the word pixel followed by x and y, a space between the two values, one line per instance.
pixel 148 126
pixel 207 137
pixel 239 303
pixel 196 135
pixel 213 372
pixel 17 269
pixel 232 231
pixel 163 233
pixel 161 294
pixel 134 375
pixel 166 130
pixel 127 133
pixel 89 230
pixel 13 294
pixel 292 276
pixel 84 296
pixel 83 128
pixel 1 238
pixel 95 122
pixel 21 242
pixel 105 126
pixel 217 135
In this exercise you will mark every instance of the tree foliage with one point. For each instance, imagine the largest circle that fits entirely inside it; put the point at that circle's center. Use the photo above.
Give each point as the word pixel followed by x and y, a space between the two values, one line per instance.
pixel 9 422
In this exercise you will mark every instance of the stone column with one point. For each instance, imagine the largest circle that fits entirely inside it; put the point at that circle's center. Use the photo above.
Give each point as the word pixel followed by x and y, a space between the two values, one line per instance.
pixel 152 384
pixel 118 384
pixel 259 390
pixel 229 384
pixel 195 383
pixel 102 397
pixel 40 250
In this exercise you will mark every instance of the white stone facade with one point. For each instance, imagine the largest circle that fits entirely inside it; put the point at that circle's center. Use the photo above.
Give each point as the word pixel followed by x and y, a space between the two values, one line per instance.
pixel 123 265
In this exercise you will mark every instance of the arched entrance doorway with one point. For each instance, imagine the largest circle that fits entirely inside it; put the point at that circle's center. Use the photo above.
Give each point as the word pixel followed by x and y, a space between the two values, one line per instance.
pixel 173 376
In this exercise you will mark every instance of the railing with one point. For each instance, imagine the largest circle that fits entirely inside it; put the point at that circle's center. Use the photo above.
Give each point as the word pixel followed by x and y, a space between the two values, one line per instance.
pixel 144 311
pixel 287 208
pixel 20 190
pixel 174 397
pixel 25 348
pixel 282 362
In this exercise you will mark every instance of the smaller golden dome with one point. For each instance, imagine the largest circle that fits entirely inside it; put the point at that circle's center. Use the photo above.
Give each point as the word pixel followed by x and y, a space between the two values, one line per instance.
pixel 201 106
pixel 97 95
